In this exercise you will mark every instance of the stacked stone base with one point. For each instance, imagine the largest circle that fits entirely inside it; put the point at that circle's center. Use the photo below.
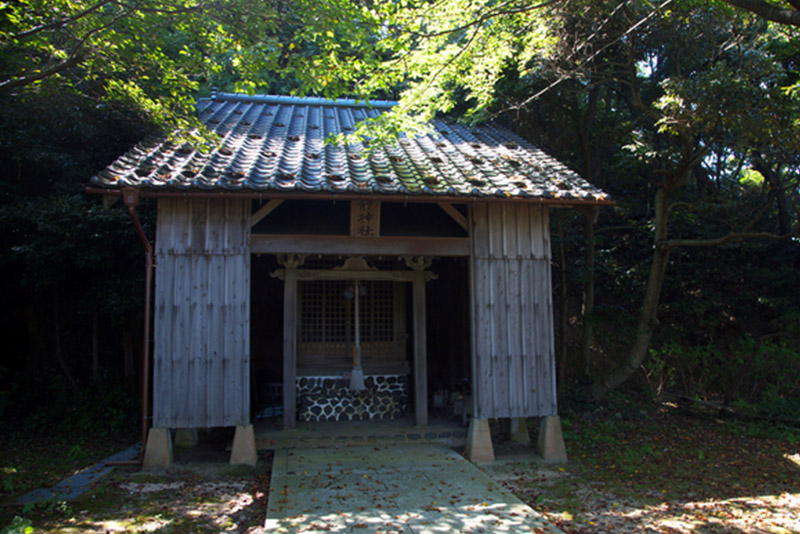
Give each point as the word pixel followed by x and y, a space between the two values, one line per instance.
pixel 325 398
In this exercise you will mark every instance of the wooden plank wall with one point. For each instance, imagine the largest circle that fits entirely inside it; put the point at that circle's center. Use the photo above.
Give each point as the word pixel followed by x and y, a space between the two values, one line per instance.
pixel 513 361
pixel 201 375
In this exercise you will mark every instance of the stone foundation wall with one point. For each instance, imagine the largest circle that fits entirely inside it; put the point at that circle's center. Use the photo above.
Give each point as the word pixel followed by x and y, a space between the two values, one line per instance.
pixel 326 398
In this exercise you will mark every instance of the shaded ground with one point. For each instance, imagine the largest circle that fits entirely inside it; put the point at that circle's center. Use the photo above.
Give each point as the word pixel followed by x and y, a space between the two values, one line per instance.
pixel 201 493
pixel 34 459
pixel 665 472
pixel 629 471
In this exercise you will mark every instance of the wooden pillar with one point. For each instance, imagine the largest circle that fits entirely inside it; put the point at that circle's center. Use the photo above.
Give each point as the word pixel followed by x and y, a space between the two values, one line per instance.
pixel 289 345
pixel 420 353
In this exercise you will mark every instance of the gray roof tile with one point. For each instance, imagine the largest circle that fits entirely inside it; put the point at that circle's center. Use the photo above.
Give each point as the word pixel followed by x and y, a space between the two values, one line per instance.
pixel 273 144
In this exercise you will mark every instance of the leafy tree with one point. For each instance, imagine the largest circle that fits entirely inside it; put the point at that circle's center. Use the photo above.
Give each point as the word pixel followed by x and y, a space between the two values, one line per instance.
pixel 697 94
pixel 155 55
pixel 70 267
pixel 685 85
pixel 775 11
pixel 692 100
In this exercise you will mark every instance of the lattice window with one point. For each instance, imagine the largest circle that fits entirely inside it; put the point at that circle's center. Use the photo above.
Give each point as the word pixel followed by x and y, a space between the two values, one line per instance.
pixel 323 318
pixel 327 320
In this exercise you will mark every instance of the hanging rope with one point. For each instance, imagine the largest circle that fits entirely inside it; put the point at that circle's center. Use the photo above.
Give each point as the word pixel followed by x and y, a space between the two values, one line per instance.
pixel 357 374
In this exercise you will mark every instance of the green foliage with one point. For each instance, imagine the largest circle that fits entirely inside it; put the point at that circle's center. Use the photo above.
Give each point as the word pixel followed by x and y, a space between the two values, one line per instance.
pixel 763 430
pixel 18 525
pixel 149 54
pixel 104 410
pixel 751 178
pixel 751 370
pixel 107 410
pixel 61 508
pixel 67 262
pixel 8 481
pixel 7 390
pixel 696 115
pixel 774 403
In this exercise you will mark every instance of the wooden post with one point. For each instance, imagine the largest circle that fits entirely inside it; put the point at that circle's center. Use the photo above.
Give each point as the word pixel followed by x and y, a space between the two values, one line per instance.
pixel 289 345
pixel 420 354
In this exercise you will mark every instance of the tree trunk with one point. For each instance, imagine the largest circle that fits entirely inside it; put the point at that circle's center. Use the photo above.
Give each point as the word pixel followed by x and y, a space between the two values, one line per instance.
pixel 127 354
pixel 589 220
pixel 563 319
pixel 62 364
pixel 781 202
pixel 583 124
pixel 648 314
pixel 131 346
pixel 95 350
pixel 36 338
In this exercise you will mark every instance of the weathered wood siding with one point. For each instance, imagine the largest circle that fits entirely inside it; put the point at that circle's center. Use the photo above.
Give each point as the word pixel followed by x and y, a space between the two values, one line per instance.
pixel 513 363
pixel 201 375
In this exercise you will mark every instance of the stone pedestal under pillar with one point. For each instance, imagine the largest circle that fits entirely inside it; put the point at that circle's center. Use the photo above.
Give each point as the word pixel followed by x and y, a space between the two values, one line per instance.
pixel 185 438
pixel 244 446
pixel 158 452
pixel 551 440
pixel 479 442
pixel 518 430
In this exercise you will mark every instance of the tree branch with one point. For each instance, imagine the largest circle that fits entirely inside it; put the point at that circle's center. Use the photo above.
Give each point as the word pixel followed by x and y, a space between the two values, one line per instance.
pixel 452 59
pixel 681 176
pixel 628 227
pixel 136 6
pixel 10 84
pixel 731 237
pixel 162 10
pixel 769 11
pixel 493 13
pixel 592 56
pixel 675 205
pixel 62 22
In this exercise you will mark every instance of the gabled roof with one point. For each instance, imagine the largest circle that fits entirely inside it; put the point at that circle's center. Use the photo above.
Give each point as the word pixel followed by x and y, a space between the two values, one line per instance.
pixel 275 145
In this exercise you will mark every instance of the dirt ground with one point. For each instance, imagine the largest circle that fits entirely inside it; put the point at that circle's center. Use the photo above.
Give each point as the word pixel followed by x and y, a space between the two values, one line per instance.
pixel 663 472
pixel 200 493
pixel 649 471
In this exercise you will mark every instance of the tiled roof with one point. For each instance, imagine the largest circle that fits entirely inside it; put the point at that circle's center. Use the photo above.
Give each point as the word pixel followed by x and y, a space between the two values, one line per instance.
pixel 276 144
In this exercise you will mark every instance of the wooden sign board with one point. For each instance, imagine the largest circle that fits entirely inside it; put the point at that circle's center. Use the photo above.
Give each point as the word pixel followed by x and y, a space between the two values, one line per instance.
pixel 365 218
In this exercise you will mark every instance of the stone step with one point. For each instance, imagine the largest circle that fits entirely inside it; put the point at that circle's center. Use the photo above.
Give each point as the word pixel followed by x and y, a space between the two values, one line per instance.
pixel 452 438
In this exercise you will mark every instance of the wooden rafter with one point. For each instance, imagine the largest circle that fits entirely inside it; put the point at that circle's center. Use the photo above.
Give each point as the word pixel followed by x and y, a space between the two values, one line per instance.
pixel 265 210
pixel 454 214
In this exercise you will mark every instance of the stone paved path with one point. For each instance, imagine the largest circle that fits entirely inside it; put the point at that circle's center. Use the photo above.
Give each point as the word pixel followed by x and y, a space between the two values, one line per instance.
pixel 398 488
pixel 79 483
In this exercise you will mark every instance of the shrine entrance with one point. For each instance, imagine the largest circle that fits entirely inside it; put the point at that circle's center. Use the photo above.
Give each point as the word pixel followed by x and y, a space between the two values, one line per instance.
pixel 353 279
pixel 347 327
pixel 345 338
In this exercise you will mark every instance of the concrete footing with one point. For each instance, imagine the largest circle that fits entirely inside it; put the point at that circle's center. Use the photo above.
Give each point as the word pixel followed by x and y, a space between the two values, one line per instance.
pixel 479 442
pixel 551 440
pixel 244 446
pixel 185 438
pixel 518 430
pixel 158 452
